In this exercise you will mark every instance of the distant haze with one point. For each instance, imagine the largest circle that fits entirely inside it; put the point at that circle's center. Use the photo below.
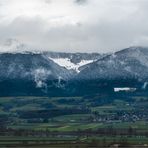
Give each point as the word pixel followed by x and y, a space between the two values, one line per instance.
pixel 75 25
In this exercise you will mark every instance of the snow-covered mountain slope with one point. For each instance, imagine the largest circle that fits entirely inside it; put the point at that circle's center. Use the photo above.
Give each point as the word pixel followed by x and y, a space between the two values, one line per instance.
pixel 28 72
pixel 73 61
pixel 31 67
pixel 70 61
pixel 128 63
pixel 65 62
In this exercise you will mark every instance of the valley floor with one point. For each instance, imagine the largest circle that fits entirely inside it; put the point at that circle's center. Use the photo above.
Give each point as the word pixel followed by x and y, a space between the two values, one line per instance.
pixel 120 120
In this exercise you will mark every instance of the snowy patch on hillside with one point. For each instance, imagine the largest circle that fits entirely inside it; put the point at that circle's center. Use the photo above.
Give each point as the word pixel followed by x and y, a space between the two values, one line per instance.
pixel 124 89
pixel 65 62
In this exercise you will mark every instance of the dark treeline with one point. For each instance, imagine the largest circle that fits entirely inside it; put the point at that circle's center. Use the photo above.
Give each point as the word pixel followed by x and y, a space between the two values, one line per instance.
pixel 51 113
pixel 74 87
pixel 99 132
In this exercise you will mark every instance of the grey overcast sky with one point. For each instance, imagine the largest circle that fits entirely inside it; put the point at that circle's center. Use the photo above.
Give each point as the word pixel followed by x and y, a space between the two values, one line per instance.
pixel 75 25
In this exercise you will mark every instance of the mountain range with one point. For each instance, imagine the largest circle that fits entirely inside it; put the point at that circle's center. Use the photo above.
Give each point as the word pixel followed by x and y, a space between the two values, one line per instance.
pixel 56 73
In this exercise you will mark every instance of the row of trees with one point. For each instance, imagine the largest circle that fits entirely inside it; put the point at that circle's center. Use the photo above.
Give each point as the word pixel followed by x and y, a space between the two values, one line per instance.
pixel 109 131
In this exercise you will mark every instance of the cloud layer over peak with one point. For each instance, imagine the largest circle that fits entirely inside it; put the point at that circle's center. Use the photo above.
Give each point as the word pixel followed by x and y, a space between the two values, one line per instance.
pixel 75 25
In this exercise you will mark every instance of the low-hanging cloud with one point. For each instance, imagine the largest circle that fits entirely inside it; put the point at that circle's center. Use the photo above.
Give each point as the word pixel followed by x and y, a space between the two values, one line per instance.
pixel 97 26
pixel 81 1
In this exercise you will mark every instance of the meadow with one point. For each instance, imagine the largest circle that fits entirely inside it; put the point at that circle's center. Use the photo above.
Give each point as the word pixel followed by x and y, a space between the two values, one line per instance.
pixel 80 121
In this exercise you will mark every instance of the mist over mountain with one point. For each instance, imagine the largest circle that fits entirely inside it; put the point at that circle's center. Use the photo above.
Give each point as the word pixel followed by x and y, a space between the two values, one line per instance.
pixel 125 68
pixel 22 72
pixel 56 73
pixel 127 63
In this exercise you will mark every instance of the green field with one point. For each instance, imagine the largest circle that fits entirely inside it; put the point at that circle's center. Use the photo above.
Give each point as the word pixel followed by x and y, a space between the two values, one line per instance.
pixel 71 142
pixel 73 121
